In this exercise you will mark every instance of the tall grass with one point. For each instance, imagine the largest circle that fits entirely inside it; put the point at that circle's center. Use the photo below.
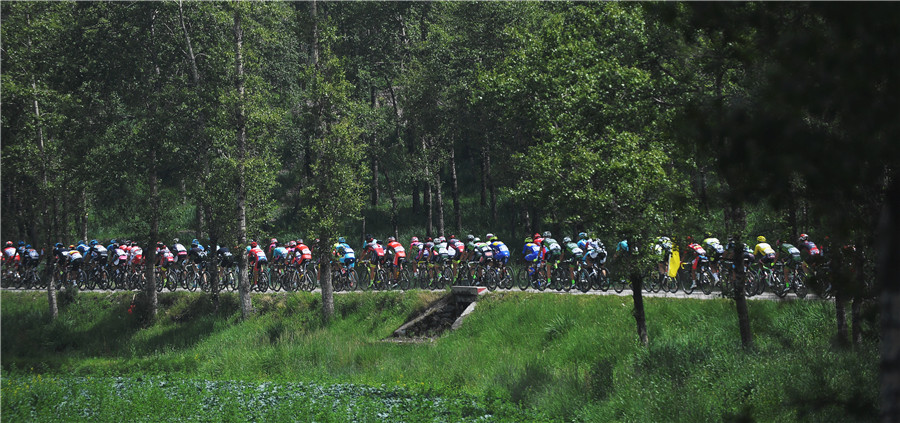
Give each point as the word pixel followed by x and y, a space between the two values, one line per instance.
pixel 571 357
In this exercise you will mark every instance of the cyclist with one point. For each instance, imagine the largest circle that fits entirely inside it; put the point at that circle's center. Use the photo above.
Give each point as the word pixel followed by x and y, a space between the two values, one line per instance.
pixel 10 256
pixel 415 251
pixel 787 254
pixel 621 248
pixel 82 248
pixel 279 253
pixel 532 254
pixel 226 259
pixel 716 252
pixel 181 253
pixel 399 254
pixel 273 243
pixel 74 258
pixel 470 248
pixel 813 255
pixel 257 258
pixel 663 250
pixel 764 252
pixel 21 249
pixel 135 255
pixel 436 256
pixel 346 256
pixel 697 254
pixel 501 253
pixel 483 254
pixel 164 257
pixel 552 251
pixel 374 252
pixel 98 253
pixel 197 253
pixel 31 257
pixel 302 253
pixel 574 254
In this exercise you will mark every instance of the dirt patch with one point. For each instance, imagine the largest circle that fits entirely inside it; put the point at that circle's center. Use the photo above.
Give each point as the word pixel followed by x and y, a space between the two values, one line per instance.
pixel 431 323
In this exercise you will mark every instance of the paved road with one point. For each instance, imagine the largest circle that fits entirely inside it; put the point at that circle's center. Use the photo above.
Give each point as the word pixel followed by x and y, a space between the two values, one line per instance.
pixel 626 293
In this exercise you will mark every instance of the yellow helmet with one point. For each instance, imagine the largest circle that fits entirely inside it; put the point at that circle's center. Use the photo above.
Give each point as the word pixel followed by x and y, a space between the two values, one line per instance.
pixel 760 239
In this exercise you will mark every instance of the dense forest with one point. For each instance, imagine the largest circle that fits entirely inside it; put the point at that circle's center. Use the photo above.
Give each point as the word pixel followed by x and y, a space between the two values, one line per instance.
pixel 237 121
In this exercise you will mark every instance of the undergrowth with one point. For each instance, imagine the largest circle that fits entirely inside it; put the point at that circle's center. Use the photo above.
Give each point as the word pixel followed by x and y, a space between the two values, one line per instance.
pixel 561 357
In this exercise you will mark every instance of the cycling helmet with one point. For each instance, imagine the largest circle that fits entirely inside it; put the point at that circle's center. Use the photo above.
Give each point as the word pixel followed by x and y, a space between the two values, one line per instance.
pixel 477 239
pixel 369 237
pixel 81 242
pixel 489 236
pixel 9 243
pixel 428 239
pixel 391 239
pixel 28 246
pixel 253 244
pixel 528 240
pixel 536 235
pixel 134 243
pixel 582 235
pixel 273 241
pixel 547 234
pixel 71 247
pixel 93 242
pixel 175 241
pixel 707 234
pixel 342 240
pixel 567 240
pixel 299 241
pixel 760 239
pixel 21 243
pixel 470 237
pixel 493 238
pixel 112 241
pixel 195 242
pixel 292 244
pixel 160 245
pixel 414 239
pixel 452 237
pixel 248 248
pixel 803 237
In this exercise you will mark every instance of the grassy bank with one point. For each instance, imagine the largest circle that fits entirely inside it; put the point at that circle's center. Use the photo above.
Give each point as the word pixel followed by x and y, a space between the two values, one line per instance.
pixel 560 356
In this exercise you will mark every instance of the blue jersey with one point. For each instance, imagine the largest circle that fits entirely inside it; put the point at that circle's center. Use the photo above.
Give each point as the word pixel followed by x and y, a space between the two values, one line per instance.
pixel 500 248
pixel 531 251
pixel 279 253
pixel 622 246
pixel 344 250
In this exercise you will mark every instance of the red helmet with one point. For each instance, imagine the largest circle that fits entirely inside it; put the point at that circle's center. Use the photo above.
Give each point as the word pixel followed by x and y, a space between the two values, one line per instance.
pixel 414 239
pixel 253 244
pixel 272 241
pixel 9 243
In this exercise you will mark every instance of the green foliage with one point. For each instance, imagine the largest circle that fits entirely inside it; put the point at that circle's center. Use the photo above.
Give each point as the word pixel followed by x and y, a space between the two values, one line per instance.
pixel 556 356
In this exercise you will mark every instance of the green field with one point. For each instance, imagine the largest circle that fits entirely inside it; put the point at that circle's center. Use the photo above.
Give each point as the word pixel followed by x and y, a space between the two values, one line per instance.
pixel 520 356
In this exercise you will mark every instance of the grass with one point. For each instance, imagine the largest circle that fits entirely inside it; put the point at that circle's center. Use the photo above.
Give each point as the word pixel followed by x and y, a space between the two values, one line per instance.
pixel 519 356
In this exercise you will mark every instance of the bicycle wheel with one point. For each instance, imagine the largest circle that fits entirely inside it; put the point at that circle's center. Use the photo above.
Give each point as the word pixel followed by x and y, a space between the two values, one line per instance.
pixel 275 279
pixel 687 284
pixel 779 287
pixel 506 279
pixel 263 284
pixel 798 286
pixel 81 281
pixel 706 282
pixel 521 277
pixel 583 280
pixel 490 278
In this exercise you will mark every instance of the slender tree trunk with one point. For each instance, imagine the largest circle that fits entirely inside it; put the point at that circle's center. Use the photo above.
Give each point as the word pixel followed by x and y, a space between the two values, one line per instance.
pixel 390 187
pixel 244 290
pixel 740 301
pixel 889 280
pixel 324 250
pixel 492 188
pixel 374 182
pixel 49 274
pixel 457 216
pixel 150 251
pixel 840 311
pixel 84 215
pixel 440 201
pixel 429 210
pixel 483 174
pixel 415 198
pixel 856 327
pixel 639 317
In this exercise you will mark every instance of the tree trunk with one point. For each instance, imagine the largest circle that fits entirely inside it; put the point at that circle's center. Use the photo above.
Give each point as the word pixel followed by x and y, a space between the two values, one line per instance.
pixel 639 317
pixel 390 187
pixel 492 188
pixel 856 326
pixel 244 290
pixel 840 312
pixel 483 174
pixel 889 280
pixel 440 201
pixel 84 215
pixel 429 210
pixel 324 250
pixel 740 301
pixel 457 216
pixel 150 249
pixel 374 182
pixel 415 198
pixel 49 274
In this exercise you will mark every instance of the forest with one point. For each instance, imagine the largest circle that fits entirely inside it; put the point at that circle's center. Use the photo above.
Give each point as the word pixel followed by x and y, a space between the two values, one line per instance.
pixel 239 121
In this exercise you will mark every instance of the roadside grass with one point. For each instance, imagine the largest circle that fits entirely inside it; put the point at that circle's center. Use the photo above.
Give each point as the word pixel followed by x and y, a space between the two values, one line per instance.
pixel 567 357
